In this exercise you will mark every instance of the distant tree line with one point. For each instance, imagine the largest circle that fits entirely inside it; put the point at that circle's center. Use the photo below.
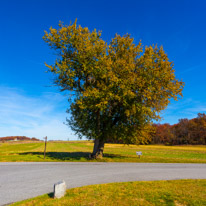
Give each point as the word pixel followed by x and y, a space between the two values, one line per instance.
pixel 186 131
pixel 19 138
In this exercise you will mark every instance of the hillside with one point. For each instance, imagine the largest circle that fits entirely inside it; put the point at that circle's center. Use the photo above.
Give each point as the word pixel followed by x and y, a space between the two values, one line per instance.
pixel 18 138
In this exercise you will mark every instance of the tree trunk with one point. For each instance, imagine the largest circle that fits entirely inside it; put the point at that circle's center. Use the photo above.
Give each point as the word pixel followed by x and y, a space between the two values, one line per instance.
pixel 98 149
pixel 98 143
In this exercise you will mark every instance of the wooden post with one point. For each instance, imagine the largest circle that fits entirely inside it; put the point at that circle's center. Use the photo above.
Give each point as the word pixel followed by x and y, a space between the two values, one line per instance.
pixel 45 147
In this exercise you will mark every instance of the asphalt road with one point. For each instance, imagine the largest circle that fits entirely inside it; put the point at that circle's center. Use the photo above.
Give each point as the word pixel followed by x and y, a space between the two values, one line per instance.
pixel 19 181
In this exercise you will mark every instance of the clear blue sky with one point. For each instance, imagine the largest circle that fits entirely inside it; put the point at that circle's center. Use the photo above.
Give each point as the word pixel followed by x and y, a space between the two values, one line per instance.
pixel 29 106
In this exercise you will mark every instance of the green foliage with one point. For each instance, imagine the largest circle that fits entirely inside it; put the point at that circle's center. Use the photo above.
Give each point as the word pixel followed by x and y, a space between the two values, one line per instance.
pixel 119 87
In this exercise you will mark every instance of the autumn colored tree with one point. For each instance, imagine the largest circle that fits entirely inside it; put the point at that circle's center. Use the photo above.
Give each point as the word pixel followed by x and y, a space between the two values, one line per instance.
pixel 186 131
pixel 197 129
pixel 163 134
pixel 119 87
pixel 181 131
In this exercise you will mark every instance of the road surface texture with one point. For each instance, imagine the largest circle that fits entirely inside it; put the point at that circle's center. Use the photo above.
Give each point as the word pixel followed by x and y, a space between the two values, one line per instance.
pixel 23 180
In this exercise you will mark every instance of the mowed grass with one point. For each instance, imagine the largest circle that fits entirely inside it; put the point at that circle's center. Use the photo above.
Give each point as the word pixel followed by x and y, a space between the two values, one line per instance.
pixel 80 150
pixel 172 193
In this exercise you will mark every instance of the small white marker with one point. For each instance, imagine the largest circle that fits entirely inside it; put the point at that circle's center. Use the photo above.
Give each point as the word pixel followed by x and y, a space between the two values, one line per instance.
pixel 139 153
pixel 59 189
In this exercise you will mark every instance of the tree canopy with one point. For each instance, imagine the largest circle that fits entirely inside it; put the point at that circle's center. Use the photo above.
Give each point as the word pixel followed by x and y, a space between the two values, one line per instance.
pixel 119 87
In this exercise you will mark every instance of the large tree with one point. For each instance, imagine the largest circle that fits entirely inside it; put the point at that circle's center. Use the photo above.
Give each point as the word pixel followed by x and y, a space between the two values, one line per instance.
pixel 119 87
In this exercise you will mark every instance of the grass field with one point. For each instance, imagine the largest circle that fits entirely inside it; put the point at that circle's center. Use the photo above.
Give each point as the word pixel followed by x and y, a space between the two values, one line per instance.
pixel 79 151
pixel 172 193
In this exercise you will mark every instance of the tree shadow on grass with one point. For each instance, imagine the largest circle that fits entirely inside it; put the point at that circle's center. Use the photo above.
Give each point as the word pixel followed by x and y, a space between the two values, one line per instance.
pixel 65 156
pixel 114 156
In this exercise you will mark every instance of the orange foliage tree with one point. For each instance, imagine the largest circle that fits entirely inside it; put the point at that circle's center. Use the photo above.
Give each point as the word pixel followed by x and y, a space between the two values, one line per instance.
pixel 186 131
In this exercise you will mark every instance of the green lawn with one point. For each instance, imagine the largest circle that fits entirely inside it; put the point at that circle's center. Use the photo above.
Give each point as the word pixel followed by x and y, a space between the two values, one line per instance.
pixel 79 151
pixel 170 193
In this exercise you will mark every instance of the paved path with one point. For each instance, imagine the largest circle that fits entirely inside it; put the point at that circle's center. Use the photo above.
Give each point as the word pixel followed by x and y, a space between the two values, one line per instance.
pixel 20 181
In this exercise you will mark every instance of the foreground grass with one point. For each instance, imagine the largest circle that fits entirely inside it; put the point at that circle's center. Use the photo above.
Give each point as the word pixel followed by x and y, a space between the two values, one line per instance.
pixel 79 151
pixel 173 192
